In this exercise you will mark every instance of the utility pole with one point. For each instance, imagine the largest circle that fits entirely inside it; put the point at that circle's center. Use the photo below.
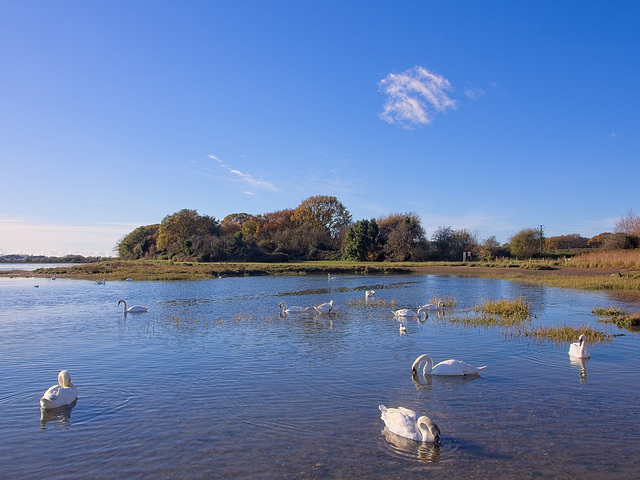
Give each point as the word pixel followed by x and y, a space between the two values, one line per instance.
pixel 541 237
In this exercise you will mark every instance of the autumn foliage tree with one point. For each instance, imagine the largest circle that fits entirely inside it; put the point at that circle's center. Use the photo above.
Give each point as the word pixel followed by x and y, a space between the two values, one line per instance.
pixel 178 231
pixel 324 212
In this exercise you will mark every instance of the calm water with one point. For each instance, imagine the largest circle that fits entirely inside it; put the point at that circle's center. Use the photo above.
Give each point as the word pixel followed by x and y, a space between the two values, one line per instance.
pixel 212 383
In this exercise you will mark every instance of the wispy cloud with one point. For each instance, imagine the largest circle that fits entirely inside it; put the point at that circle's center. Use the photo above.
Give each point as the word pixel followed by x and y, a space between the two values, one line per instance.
pixel 414 97
pixel 473 92
pixel 245 177
pixel 25 235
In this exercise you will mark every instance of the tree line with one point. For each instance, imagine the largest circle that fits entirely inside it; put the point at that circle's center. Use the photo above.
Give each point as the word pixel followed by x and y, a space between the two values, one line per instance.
pixel 321 228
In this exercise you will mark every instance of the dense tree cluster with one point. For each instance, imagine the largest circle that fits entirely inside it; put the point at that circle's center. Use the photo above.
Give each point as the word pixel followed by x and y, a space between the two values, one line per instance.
pixel 321 228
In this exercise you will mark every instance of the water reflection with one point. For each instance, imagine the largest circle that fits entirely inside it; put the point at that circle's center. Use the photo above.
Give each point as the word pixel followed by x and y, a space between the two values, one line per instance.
pixel 580 363
pixel 427 381
pixel 62 415
pixel 423 451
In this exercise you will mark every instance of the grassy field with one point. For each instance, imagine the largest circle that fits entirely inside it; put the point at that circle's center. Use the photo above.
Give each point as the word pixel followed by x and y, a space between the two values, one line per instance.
pixel 617 270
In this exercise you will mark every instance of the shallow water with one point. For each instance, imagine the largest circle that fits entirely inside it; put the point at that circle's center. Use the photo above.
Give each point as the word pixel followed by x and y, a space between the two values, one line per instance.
pixel 212 382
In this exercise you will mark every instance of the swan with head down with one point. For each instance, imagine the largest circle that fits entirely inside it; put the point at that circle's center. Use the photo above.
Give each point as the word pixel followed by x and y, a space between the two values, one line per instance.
pixel 577 349
pixel 286 309
pixel 407 312
pixel 65 393
pixel 134 309
pixel 406 423
pixel 439 306
pixel 446 367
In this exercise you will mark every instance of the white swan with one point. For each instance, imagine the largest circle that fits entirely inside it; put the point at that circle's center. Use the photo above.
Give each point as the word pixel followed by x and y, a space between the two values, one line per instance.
pixel 577 349
pixel 407 312
pixel 439 305
pixel 370 293
pixel 446 367
pixel 406 423
pixel 402 329
pixel 134 309
pixel 101 282
pixel 284 308
pixel 325 307
pixel 65 393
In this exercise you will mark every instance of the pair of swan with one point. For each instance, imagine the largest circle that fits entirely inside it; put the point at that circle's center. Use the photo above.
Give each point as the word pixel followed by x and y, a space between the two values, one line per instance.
pixel 577 349
pixel 446 367
pixel 406 423
pixel 134 309
pixel 326 307
pixel 65 393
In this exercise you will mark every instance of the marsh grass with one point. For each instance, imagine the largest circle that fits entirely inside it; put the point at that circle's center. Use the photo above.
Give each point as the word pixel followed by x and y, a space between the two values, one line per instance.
pixel 567 333
pixel 623 259
pixel 517 308
pixel 622 319
pixel 447 302
pixel 607 312
pixel 488 321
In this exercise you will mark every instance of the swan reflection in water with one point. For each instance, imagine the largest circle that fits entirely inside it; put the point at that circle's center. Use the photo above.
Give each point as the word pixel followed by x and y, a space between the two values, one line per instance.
pixel 426 452
pixel 581 363
pixel 60 415
pixel 426 382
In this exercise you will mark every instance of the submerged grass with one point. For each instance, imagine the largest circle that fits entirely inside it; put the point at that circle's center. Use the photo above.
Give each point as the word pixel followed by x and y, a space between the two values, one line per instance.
pixel 378 302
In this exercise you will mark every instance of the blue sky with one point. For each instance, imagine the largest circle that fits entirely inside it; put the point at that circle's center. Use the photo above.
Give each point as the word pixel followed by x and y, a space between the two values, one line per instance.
pixel 491 116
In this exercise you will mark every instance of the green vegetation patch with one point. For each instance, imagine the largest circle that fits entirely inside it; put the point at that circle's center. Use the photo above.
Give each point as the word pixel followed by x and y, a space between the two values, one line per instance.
pixel 567 333
pixel 517 308
pixel 615 315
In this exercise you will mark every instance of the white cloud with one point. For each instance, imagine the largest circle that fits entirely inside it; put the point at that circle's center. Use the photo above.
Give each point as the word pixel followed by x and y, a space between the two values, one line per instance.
pixel 245 177
pixel 414 97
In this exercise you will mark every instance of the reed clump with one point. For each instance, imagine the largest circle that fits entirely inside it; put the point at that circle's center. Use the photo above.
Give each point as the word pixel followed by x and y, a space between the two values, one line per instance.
pixel 487 321
pixel 517 308
pixel 566 333
pixel 622 319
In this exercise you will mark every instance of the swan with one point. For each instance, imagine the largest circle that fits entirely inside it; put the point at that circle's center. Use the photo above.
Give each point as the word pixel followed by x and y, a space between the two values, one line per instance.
pixel 325 307
pixel 60 395
pixel 577 349
pixel 101 282
pixel 407 312
pixel 402 329
pixel 406 423
pixel 134 309
pixel 284 308
pixel 446 367
pixel 370 293
pixel 439 305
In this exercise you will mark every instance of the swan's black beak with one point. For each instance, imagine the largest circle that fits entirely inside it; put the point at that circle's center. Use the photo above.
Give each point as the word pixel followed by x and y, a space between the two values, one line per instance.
pixel 413 371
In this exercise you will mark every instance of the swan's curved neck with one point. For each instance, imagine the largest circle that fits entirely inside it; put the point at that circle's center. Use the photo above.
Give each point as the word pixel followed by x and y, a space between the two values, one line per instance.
pixel 427 434
pixel 428 365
